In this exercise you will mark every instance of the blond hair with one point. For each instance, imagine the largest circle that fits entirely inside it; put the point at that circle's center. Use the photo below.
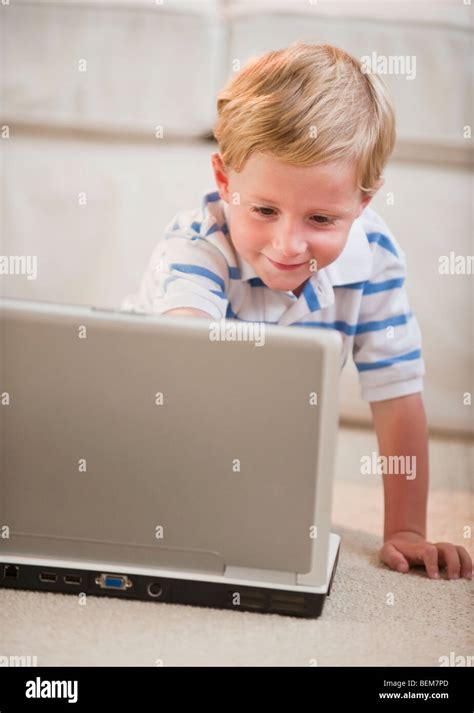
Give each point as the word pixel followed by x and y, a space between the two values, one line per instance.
pixel 307 104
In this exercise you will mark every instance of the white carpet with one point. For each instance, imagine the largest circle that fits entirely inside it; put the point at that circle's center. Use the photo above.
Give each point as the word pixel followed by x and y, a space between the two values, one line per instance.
pixel 427 619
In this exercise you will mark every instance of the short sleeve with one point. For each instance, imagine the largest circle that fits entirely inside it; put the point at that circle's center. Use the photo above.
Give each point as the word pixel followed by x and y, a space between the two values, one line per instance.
pixel 388 342
pixel 185 270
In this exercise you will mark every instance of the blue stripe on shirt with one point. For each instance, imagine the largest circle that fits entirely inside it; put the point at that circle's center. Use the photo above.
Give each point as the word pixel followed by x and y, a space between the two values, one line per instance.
pixel 215 228
pixel 368 366
pixel 383 241
pixel 256 282
pixel 362 327
pixel 230 314
pixel 212 197
pixel 310 297
pixel 197 270
pixel 369 288
pixel 379 324
pixel 372 287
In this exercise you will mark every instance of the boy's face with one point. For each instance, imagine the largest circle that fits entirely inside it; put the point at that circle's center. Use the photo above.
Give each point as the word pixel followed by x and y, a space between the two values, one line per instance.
pixel 289 221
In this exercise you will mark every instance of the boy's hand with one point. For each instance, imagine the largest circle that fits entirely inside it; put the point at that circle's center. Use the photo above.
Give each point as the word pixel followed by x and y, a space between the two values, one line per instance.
pixel 405 548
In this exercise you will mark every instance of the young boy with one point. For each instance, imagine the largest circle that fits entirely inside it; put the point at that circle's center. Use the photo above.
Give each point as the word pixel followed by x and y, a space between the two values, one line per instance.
pixel 288 238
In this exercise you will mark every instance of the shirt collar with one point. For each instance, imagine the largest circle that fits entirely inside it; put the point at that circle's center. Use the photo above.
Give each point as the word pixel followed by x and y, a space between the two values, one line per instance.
pixel 352 265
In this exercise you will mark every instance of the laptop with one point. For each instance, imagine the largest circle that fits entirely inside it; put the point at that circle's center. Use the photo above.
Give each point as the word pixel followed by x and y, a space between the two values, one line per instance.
pixel 167 459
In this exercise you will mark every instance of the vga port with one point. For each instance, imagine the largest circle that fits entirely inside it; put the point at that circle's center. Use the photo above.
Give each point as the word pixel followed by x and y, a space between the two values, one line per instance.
pixel 114 581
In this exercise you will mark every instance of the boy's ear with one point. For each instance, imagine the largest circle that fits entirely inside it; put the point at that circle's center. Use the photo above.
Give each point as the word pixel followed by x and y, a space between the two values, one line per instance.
pixel 366 199
pixel 220 175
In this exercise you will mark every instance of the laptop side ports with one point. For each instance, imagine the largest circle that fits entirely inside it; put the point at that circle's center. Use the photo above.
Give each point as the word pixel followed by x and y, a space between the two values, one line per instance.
pixel 155 589
pixel 10 572
pixel 119 582
pixel 72 579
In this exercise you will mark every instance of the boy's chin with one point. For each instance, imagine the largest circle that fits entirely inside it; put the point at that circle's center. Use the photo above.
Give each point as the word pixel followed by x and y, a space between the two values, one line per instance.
pixel 282 285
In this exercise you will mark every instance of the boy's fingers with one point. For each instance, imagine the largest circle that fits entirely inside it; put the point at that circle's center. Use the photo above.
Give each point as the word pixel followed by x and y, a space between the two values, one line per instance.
pixel 394 558
pixel 450 558
pixel 456 558
pixel 466 562
pixel 430 558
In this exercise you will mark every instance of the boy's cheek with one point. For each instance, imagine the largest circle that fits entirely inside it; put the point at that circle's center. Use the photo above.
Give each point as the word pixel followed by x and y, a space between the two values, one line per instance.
pixel 247 240
pixel 326 254
pixel 332 248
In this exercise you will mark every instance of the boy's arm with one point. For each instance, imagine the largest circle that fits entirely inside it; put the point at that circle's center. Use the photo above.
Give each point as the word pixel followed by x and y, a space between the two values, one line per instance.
pixel 188 312
pixel 401 429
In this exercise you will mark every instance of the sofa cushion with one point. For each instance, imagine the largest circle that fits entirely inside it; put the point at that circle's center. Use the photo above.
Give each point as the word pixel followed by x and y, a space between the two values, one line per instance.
pixel 147 65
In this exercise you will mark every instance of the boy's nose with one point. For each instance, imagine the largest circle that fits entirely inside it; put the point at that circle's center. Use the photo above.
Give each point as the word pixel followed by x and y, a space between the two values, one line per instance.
pixel 289 244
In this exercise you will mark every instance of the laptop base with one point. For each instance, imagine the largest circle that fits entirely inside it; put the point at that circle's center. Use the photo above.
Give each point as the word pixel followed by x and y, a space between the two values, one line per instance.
pixel 159 586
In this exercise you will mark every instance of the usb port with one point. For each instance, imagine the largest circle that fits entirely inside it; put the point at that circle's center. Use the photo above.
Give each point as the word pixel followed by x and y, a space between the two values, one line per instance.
pixel 72 579
pixel 48 577
pixel 113 581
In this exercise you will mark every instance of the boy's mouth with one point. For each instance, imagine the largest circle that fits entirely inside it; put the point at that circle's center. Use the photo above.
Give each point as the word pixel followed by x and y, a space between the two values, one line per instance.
pixel 285 266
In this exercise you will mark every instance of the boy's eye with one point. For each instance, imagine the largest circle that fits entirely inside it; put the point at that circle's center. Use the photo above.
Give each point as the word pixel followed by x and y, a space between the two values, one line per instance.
pixel 318 219
pixel 323 221
pixel 261 211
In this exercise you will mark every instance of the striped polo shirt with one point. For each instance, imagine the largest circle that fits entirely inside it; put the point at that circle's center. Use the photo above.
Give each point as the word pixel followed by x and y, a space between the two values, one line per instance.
pixel 361 294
